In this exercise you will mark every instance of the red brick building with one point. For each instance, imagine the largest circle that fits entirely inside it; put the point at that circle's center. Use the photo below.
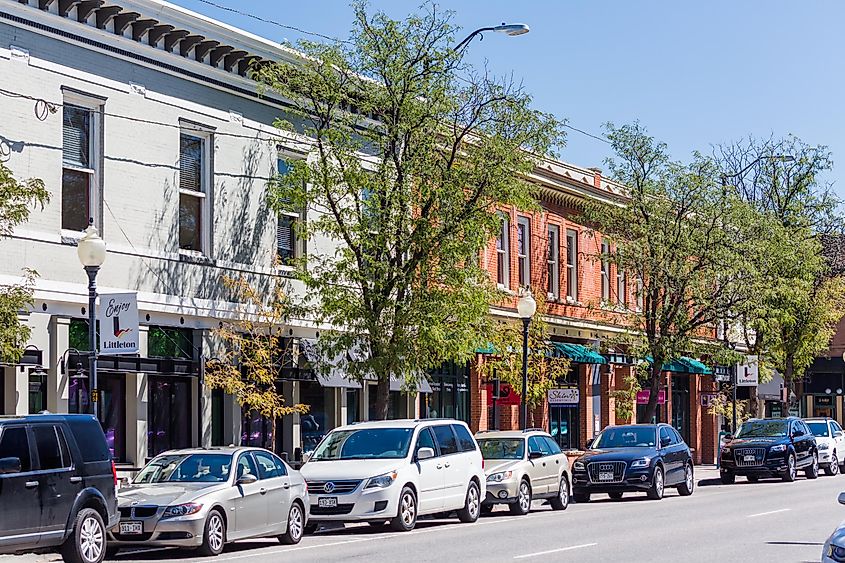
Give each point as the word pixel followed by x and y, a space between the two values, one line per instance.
pixel 587 300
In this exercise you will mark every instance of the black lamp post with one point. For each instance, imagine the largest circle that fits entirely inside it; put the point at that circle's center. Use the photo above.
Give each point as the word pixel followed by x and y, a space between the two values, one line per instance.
pixel 511 30
pixel 526 307
pixel 92 254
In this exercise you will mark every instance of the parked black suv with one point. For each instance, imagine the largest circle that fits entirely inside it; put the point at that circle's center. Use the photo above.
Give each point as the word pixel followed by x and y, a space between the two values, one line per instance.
pixel 768 447
pixel 57 486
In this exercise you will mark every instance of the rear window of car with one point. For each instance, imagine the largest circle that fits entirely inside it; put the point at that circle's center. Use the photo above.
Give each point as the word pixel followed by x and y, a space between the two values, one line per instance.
pixel 445 439
pixel 465 441
pixel 90 439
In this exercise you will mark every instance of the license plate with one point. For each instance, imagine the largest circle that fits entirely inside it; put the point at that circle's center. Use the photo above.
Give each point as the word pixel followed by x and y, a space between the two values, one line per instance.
pixel 749 458
pixel 606 476
pixel 128 528
pixel 327 502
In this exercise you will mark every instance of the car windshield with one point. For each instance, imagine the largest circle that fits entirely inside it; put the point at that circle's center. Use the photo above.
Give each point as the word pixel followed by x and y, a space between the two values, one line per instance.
pixel 819 429
pixel 626 437
pixel 762 429
pixel 186 468
pixel 502 448
pixel 366 443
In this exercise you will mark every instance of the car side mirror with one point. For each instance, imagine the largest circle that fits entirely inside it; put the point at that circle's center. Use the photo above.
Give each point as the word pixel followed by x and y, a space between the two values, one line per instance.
pixel 590 443
pixel 247 479
pixel 842 498
pixel 535 455
pixel 838 434
pixel 665 442
pixel 425 453
pixel 10 465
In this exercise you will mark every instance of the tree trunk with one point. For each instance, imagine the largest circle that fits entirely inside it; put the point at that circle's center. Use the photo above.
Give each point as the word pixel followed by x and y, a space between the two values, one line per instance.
pixel 653 388
pixel 788 374
pixel 382 397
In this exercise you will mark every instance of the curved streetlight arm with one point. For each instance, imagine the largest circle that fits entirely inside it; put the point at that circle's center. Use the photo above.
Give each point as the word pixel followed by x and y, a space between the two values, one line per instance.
pixel 470 37
pixel 512 30
pixel 780 157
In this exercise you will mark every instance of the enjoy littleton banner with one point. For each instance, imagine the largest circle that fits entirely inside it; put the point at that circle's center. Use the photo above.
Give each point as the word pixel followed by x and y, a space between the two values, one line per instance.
pixel 118 318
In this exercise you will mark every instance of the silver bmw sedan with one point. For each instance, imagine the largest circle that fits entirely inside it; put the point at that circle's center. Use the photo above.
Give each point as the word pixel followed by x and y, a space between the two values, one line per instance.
pixel 205 498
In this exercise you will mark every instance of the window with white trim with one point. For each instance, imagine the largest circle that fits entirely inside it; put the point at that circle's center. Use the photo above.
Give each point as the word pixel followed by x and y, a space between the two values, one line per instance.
pixel 289 247
pixel 621 287
pixel 523 250
pixel 605 272
pixel 572 265
pixel 554 262
pixel 503 253
pixel 81 161
pixel 194 191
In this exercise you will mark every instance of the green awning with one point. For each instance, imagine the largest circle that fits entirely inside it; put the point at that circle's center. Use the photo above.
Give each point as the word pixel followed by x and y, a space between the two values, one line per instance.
pixel 684 365
pixel 578 353
pixel 489 349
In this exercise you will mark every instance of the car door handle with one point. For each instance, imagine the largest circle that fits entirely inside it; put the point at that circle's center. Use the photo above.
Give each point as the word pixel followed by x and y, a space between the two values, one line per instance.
pixel 448 465
pixel 263 491
pixel 286 485
pixel 30 484
pixel 439 466
pixel 76 479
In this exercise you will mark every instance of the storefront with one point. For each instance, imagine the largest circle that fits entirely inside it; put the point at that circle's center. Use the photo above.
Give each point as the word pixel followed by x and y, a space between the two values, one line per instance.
pixel 564 415
pixel 450 392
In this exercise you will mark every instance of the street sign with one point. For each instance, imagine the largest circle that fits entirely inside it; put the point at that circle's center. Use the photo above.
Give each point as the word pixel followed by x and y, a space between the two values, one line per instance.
pixel 708 398
pixel 118 318
pixel 565 397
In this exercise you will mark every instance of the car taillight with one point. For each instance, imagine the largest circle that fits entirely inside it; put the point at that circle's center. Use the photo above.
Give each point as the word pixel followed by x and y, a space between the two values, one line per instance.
pixel 114 473
pixel 482 464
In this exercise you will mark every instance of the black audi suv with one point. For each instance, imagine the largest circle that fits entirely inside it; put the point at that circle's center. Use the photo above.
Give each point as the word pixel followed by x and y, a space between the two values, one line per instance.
pixel 633 458
pixel 770 447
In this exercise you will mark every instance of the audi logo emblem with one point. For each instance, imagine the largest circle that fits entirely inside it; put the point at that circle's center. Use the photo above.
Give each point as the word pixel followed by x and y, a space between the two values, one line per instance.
pixel 328 487
pixel 606 467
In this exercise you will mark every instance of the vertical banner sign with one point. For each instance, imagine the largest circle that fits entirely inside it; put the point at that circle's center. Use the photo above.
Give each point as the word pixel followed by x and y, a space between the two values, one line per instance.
pixel 118 318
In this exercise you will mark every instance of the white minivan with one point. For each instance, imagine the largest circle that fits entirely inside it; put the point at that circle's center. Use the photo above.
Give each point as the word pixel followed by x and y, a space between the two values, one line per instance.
pixel 393 471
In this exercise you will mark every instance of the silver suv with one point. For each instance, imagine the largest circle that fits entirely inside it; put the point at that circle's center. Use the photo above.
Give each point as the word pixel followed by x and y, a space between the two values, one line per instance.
pixel 521 466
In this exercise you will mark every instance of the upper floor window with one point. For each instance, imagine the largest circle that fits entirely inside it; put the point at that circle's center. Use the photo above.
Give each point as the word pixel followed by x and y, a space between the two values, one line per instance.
pixel 621 289
pixel 553 262
pixel 503 254
pixel 81 162
pixel 289 247
pixel 194 192
pixel 523 250
pixel 572 264
pixel 605 272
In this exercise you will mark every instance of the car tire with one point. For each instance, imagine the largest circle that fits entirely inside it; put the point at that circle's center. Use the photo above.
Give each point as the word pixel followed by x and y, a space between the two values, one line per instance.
pixel 581 498
pixel 296 525
pixel 812 471
pixel 87 540
pixel 522 506
pixel 657 484
pixel 790 473
pixel 406 513
pixel 752 478
pixel 727 477
pixel 561 501
pixel 615 496
pixel 687 487
pixel 213 535
pixel 472 505
pixel 833 468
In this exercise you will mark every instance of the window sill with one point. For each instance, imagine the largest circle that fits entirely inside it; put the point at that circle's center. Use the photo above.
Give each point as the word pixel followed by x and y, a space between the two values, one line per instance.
pixel 71 238
pixel 193 257
pixel 507 290
pixel 285 271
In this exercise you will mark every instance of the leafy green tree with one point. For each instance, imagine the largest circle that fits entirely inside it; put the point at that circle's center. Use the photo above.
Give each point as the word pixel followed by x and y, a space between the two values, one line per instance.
pixel 17 198
pixel 684 238
pixel 412 153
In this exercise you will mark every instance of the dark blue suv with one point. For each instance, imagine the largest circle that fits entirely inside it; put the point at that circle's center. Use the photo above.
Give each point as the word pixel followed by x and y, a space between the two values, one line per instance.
pixel 770 447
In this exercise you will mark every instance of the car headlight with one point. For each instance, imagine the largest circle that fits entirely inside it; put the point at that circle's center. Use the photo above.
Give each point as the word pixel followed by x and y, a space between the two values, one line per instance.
pixel 578 466
pixel 499 477
pixel 824 446
pixel 836 553
pixel 178 510
pixel 643 462
pixel 778 448
pixel 381 481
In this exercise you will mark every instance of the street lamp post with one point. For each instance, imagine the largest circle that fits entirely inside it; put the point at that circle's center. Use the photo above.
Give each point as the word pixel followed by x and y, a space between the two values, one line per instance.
pixel 526 307
pixel 511 30
pixel 92 254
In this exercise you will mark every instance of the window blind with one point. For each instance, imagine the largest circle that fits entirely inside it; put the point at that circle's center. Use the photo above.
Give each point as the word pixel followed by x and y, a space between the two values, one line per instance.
pixel 190 163
pixel 76 136
pixel 285 238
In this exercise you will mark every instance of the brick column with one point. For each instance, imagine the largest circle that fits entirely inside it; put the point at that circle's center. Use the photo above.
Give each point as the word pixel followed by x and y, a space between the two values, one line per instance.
pixel 478 397
pixel 695 416
pixel 709 425
pixel 608 403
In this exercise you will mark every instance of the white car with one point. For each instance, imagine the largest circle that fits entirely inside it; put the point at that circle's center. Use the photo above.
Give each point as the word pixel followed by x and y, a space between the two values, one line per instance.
pixel 393 471
pixel 834 548
pixel 831 443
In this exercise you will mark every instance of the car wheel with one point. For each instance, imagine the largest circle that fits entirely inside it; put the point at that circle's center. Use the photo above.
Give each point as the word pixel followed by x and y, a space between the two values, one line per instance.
pixel 472 506
pixel 214 535
pixel 727 477
pixel 752 478
pixel 87 541
pixel 615 496
pixel 833 468
pixel 296 525
pixel 581 498
pixel 686 488
pixel 406 518
pixel 523 499
pixel 812 471
pixel 790 473
pixel 656 490
pixel 561 501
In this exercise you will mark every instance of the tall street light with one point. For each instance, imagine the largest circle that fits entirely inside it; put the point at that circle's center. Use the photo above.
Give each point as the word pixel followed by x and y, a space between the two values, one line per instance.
pixel 526 307
pixel 511 30
pixel 92 254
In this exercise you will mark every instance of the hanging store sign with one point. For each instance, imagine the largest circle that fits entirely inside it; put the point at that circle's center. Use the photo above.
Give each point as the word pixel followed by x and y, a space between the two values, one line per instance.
pixel 708 398
pixel 747 374
pixel 642 397
pixel 506 396
pixel 118 318
pixel 566 397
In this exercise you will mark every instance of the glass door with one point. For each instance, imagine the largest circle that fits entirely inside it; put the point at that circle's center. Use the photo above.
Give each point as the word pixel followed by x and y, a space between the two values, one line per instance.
pixel 563 426
pixel 169 414
pixel 681 404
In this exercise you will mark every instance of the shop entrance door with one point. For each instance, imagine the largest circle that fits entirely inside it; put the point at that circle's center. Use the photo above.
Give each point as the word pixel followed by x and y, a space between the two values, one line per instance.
pixel 681 404
pixel 563 426
pixel 823 406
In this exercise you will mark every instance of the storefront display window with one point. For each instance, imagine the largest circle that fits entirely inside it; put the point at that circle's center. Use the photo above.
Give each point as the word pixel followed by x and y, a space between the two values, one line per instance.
pixel 394 403
pixel 564 427
pixel 449 397
pixel 217 405
pixel 257 431
pixel 169 414
pixel 313 425
pixel 681 404
pixel 112 413
pixel 37 391
pixel 170 342
pixel 353 405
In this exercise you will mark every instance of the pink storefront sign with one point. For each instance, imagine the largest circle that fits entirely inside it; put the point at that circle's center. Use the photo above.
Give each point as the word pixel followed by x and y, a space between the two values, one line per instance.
pixel 642 397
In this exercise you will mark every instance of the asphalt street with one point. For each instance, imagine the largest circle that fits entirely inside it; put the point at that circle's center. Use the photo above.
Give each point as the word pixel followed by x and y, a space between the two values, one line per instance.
pixel 744 522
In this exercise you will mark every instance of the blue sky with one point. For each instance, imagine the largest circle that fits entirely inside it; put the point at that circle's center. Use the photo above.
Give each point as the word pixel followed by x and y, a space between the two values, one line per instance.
pixel 695 73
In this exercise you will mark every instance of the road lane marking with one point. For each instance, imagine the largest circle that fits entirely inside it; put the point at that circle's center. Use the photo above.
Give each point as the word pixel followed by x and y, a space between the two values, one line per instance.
pixel 769 512
pixel 254 553
pixel 570 548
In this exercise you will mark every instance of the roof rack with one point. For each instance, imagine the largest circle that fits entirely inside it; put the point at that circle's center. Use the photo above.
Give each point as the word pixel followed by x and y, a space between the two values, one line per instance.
pixel 533 429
